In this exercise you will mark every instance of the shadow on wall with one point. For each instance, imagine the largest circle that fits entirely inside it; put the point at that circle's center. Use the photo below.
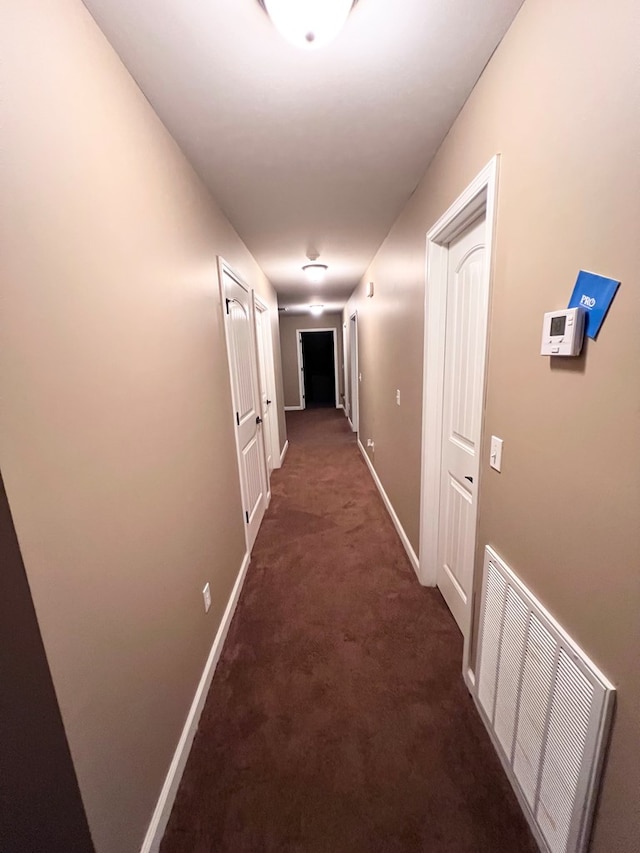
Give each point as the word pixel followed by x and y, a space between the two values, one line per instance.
pixel 40 804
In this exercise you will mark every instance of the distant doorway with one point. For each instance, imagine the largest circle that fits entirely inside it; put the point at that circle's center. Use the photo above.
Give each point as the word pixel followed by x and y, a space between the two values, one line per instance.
pixel 317 362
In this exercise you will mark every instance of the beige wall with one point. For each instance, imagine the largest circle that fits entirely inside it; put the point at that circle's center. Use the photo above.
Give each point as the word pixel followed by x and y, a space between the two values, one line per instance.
pixel 117 446
pixel 289 350
pixel 560 101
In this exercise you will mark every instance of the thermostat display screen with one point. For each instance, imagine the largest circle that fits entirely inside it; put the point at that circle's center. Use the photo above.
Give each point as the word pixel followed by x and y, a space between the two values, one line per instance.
pixel 562 332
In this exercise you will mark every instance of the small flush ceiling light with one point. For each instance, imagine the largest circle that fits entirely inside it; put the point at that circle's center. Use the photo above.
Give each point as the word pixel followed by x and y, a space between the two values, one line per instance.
pixel 308 23
pixel 315 272
pixel 316 310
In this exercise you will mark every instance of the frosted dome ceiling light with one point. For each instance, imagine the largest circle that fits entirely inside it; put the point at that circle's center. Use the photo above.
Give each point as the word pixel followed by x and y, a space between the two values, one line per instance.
pixel 316 310
pixel 315 272
pixel 308 23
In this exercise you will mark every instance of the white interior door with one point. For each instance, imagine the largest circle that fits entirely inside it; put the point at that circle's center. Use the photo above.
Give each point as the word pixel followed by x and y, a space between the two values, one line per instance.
pixel 264 356
pixel 466 318
pixel 246 400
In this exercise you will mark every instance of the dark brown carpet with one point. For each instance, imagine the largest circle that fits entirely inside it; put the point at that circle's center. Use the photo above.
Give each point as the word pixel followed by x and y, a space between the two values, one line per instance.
pixel 338 719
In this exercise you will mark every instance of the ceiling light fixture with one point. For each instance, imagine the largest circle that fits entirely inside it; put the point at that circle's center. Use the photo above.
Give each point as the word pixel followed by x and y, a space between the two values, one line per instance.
pixel 316 310
pixel 308 23
pixel 315 272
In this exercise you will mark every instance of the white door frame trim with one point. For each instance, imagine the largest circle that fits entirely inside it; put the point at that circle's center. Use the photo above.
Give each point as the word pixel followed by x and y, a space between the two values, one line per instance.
pixel 480 196
pixel 261 305
pixel 354 420
pixel 345 383
pixel 336 368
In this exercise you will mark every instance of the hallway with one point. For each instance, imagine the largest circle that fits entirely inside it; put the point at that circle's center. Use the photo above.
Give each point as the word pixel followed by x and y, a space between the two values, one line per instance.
pixel 338 719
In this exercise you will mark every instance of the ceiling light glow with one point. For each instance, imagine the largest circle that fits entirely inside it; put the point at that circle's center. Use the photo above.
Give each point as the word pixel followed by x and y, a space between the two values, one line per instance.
pixel 315 272
pixel 308 23
pixel 316 310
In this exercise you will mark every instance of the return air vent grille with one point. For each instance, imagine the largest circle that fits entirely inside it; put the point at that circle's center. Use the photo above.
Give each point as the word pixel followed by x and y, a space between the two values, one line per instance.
pixel 546 705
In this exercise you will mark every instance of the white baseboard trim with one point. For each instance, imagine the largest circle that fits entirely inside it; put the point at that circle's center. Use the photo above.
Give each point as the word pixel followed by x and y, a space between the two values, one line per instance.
pixel 293 408
pixel 411 554
pixel 160 818
pixel 470 680
pixel 284 452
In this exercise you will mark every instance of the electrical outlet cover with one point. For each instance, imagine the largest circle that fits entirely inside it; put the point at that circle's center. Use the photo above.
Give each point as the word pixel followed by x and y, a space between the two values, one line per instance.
pixel 206 594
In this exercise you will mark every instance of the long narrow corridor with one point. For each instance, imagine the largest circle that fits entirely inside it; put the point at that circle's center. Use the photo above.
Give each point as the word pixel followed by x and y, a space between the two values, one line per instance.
pixel 338 719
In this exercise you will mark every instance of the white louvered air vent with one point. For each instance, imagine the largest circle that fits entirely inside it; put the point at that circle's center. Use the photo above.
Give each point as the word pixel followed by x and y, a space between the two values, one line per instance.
pixel 546 705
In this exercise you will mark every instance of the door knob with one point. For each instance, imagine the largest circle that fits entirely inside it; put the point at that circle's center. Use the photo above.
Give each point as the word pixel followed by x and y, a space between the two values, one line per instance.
pixel 258 420
pixel 268 402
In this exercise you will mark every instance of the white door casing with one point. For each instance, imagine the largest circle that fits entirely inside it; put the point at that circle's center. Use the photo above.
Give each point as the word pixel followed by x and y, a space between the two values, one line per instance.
pixel 345 369
pixel 263 340
pixel 354 397
pixel 478 200
pixel 461 415
pixel 243 369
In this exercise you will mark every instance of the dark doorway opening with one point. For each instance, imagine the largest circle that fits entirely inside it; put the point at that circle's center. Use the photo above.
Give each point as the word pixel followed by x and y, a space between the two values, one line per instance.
pixel 318 369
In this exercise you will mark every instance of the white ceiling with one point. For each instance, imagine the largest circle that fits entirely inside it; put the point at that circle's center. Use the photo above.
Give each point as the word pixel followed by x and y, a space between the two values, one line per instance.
pixel 307 150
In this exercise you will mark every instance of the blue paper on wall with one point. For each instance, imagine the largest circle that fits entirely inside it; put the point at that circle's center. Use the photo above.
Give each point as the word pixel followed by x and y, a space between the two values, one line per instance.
pixel 593 293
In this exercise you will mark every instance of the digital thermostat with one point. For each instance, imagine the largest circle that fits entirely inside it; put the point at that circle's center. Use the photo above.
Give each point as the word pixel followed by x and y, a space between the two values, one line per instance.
pixel 563 332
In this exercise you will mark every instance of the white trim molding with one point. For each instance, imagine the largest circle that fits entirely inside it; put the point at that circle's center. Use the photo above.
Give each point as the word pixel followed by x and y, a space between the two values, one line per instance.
pixel 413 559
pixel 284 452
pixel 261 307
pixel 293 408
pixel 478 198
pixel 345 368
pixel 160 817
pixel 354 371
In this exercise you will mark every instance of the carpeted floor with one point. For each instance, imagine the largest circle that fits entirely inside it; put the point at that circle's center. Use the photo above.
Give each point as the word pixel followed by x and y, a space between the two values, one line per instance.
pixel 338 719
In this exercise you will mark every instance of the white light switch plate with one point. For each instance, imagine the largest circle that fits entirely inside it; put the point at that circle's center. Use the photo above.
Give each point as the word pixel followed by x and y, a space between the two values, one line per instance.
pixel 398 397
pixel 495 454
